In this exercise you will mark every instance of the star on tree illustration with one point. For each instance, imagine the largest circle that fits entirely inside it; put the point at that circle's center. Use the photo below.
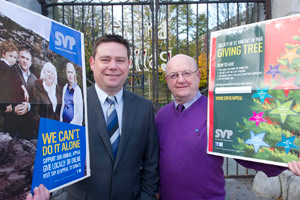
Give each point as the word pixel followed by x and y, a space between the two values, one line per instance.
pixel 274 70
pixel 256 141
pixel 283 110
pixel 262 94
pixel 257 117
pixel 287 143
pixel 290 54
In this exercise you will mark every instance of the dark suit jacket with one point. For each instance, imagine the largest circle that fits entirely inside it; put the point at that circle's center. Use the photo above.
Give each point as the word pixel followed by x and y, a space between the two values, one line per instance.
pixel 14 94
pixel 29 84
pixel 4 68
pixel 134 173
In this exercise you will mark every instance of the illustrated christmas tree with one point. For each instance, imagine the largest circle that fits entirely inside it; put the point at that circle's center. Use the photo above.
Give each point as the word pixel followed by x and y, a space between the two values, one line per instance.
pixel 274 128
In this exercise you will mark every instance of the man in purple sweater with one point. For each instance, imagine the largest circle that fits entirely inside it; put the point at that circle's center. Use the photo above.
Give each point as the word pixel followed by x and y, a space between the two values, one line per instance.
pixel 187 172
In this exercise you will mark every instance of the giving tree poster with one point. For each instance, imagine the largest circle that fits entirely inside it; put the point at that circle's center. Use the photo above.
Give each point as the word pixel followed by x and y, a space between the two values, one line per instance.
pixel 43 124
pixel 254 92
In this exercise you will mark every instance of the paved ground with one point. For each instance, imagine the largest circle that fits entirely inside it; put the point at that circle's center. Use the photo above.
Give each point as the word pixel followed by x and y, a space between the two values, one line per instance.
pixel 237 189
pixel 241 189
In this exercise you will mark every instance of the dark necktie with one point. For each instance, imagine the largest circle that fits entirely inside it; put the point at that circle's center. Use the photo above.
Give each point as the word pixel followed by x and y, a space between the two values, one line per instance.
pixel 180 107
pixel 112 125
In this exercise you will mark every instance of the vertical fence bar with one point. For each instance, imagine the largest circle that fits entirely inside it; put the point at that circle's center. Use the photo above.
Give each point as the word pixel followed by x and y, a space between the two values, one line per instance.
pixel 228 20
pixel 122 21
pixel 63 14
pixel 143 56
pixel 112 19
pixel 133 51
pixel 207 42
pixel 238 14
pixel 268 9
pixel 167 41
pixel 82 19
pixel 258 11
pixel 153 50
pixel 227 166
pixel 218 27
pixel 156 83
pixel 197 34
pixel 93 24
pixel 247 13
pixel 177 37
pixel 102 24
pixel 73 16
pixel 187 29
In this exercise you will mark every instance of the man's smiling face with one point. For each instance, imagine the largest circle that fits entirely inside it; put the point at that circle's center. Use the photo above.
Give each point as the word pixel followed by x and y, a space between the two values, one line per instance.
pixel 110 67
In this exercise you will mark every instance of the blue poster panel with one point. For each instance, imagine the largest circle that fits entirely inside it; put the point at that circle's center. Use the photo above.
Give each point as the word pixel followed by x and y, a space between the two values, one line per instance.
pixel 62 149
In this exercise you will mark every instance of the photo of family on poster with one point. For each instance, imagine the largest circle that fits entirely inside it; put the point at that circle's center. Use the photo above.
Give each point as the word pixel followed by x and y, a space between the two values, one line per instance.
pixel 26 98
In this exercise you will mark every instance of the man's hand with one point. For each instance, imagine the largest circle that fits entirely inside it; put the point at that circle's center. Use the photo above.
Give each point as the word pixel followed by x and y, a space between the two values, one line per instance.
pixel 40 193
pixel 157 195
pixel 294 167
pixel 8 108
pixel 22 109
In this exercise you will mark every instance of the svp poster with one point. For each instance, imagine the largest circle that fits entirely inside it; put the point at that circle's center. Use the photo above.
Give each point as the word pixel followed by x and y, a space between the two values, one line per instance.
pixel 254 92
pixel 43 124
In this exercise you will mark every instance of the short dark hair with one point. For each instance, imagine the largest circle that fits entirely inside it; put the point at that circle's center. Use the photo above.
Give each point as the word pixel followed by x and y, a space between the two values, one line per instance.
pixel 26 49
pixel 110 38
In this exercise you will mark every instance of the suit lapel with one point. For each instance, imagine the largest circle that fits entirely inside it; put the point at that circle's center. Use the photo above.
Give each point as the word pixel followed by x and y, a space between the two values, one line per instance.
pixel 98 119
pixel 129 110
pixel 20 75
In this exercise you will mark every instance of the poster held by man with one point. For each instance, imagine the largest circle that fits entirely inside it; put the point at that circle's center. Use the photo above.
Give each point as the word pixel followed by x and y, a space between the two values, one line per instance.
pixel 254 92
pixel 43 126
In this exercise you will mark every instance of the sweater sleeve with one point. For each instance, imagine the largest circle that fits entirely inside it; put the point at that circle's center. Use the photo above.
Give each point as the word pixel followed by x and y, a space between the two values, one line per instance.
pixel 269 170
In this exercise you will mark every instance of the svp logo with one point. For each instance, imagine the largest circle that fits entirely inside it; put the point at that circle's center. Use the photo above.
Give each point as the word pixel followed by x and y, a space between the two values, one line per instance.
pixel 66 42
pixel 220 133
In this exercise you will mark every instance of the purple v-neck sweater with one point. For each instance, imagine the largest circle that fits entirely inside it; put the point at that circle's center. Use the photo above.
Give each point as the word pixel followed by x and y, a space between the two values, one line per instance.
pixel 187 172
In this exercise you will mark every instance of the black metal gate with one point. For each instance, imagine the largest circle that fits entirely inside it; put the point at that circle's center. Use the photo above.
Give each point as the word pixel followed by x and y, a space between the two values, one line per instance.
pixel 157 30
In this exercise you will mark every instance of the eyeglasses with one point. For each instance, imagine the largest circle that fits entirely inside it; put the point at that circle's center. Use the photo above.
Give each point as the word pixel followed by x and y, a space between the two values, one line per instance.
pixel 185 74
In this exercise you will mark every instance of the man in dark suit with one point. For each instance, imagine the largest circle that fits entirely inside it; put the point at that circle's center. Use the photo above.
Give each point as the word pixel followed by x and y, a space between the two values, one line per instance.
pixel 21 117
pixel 128 170
pixel 24 114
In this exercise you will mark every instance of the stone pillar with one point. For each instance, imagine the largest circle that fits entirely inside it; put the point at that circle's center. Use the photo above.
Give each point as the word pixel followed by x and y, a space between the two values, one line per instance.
pixel 32 5
pixel 282 8
pixel 286 186
pixel 267 187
